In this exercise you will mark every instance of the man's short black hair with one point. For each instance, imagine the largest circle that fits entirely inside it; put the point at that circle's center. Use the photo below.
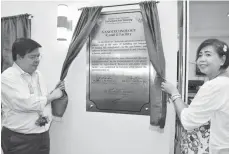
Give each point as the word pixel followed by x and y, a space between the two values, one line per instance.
pixel 22 46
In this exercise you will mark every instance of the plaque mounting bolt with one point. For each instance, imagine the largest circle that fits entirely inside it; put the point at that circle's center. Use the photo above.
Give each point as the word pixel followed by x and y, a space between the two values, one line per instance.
pixel 91 106
pixel 146 108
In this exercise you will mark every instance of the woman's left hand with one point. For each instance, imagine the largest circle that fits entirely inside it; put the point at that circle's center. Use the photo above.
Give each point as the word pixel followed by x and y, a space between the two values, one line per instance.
pixel 169 88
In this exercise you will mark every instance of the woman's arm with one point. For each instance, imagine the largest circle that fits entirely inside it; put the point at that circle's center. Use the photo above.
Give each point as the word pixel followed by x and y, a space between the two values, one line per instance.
pixel 208 100
pixel 179 106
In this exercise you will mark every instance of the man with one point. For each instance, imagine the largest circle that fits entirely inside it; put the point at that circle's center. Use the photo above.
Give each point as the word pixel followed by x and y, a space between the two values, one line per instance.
pixel 26 109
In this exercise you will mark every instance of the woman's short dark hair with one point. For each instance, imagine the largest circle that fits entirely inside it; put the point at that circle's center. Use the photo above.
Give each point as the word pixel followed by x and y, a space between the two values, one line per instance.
pixel 22 46
pixel 220 47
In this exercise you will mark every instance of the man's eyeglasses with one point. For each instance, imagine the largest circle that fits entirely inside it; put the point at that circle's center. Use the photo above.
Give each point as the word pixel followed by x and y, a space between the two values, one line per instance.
pixel 35 57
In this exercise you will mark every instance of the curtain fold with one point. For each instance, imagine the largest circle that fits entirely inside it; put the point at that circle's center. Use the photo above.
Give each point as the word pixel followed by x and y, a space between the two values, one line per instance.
pixel 83 29
pixel 152 32
pixel 13 27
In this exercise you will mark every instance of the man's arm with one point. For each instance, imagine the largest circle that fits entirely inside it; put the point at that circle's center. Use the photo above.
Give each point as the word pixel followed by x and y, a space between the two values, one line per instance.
pixel 14 95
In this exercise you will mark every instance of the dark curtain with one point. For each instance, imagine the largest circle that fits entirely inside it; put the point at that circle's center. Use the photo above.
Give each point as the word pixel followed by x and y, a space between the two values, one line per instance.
pixel 83 29
pixel 155 49
pixel 12 27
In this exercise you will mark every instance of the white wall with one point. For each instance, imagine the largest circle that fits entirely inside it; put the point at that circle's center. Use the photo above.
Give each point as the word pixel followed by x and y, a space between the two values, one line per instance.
pixel 98 133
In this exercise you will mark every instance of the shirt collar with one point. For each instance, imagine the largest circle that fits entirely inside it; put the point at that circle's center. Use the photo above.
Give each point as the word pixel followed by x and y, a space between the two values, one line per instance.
pixel 15 65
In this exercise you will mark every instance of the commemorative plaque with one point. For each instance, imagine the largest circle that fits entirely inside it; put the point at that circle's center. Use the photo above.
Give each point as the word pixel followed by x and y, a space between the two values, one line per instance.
pixel 118 75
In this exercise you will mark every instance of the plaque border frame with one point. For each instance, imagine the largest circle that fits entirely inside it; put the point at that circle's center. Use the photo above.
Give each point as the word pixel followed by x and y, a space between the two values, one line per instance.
pixel 90 105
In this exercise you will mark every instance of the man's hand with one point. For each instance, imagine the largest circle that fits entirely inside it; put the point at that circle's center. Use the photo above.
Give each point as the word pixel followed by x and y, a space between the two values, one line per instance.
pixel 60 85
pixel 57 92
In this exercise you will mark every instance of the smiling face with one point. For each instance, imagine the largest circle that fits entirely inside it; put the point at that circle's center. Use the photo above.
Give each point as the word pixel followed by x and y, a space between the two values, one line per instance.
pixel 30 61
pixel 209 62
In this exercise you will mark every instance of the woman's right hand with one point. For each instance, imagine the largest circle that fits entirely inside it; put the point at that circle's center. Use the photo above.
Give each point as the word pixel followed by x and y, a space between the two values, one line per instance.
pixel 169 88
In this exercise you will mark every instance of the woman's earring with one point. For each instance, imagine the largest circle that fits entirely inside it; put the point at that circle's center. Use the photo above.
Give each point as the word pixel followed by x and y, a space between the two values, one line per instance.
pixel 225 48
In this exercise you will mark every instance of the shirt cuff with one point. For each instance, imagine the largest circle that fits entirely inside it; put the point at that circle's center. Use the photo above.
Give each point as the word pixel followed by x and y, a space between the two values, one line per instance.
pixel 57 119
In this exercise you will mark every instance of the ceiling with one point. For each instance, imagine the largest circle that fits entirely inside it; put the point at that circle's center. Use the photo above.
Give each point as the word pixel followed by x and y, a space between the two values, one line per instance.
pixel 208 18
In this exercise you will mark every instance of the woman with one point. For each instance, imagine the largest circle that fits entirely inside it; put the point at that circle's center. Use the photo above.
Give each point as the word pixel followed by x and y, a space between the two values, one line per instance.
pixel 211 103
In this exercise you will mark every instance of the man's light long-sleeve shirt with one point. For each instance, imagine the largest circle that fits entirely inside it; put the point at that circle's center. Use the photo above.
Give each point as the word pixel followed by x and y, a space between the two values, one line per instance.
pixel 23 98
